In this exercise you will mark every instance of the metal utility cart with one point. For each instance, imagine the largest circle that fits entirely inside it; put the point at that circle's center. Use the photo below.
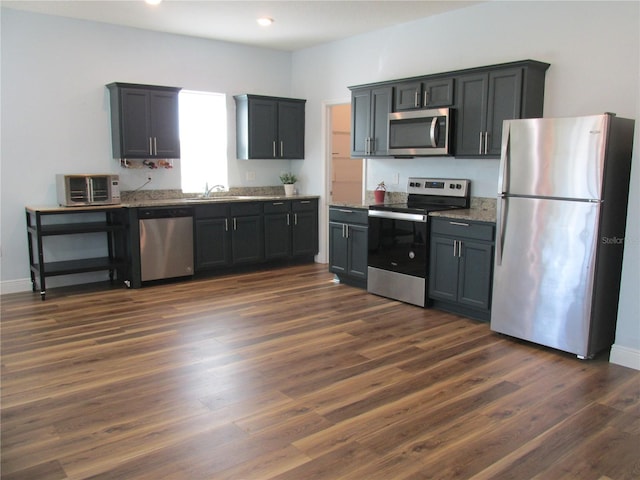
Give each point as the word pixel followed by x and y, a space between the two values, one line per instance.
pixel 114 225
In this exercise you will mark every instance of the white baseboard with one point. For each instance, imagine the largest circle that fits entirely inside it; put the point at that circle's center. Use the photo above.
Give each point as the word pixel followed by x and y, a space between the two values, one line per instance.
pixel 625 356
pixel 16 286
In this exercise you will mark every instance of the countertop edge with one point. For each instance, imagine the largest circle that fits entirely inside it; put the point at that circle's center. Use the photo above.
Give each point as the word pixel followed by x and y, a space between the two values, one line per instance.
pixel 166 202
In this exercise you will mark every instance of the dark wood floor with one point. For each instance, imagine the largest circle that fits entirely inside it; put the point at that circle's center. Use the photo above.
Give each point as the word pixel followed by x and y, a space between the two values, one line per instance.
pixel 287 375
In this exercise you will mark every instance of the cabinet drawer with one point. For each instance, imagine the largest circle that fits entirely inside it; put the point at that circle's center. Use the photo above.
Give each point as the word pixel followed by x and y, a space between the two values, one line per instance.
pixel 245 208
pixel 276 206
pixel 348 215
pixel 212 211
pixel 304 205
pixel 463 228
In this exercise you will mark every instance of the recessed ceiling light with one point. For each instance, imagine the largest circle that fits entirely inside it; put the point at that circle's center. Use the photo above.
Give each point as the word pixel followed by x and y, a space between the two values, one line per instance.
pixel 152 2
pixel 265 21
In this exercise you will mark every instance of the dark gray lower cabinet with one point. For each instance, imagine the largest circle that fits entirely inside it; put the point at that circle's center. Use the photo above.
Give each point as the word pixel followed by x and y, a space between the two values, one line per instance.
pixel 461 266
pixel 228 234
pixel 348 245
pixel 246 233
pixel 290 228
pixel 212 236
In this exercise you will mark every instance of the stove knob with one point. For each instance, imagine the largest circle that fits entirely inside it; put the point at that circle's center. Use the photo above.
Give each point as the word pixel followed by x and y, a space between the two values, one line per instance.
pixel 451 185
pixel 458 186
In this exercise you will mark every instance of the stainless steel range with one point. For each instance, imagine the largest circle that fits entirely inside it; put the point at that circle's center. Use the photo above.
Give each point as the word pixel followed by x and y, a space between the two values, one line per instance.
pixel 398 259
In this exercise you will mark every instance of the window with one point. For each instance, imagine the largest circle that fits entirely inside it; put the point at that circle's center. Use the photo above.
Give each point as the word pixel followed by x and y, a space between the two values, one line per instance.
pixel 203 140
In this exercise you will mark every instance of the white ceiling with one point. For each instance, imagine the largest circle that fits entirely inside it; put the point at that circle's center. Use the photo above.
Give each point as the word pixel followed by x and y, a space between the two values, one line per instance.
pixel 298 24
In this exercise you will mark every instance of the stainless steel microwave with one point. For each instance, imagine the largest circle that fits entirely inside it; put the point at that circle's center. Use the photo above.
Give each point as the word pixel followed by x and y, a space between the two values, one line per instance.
pixel 82 189
pixel 420 132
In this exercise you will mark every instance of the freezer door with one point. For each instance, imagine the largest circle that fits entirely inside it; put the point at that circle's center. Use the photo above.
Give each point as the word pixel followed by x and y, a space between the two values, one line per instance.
pixel 554 157
pixel 544 272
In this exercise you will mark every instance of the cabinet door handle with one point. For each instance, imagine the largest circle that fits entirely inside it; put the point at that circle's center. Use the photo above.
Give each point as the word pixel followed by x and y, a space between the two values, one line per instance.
pixel 486 142
pixel 226 224
pixel 346 231
pixel 277 203
pixel 415 100
pixel 426 99
pixel 155 145
pixel 305 201
pixel 288 220
pixel 455 245
pixel 460 224
pixel 281 148
pixel 235 223
pixel 459 248
pixel 480 144
pixel 274 148
pixel 295 219
pixel 150 147
pixel 345 211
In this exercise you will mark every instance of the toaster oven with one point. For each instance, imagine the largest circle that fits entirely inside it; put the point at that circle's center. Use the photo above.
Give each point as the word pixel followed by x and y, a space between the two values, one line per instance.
pixel 84 189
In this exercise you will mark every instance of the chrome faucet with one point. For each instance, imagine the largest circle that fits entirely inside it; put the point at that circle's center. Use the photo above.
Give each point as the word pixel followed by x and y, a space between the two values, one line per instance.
pixel 207 190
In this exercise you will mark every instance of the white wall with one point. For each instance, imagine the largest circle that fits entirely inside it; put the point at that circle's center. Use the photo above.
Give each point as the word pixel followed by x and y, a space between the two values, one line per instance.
pixel 593 49
pixel 55 111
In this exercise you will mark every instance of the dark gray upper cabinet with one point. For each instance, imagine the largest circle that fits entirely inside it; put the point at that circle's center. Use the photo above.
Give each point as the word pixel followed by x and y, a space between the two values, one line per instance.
pixel 144 121
pixel 433 93
pixel 484 99
pixel 370 108
pixel 269 127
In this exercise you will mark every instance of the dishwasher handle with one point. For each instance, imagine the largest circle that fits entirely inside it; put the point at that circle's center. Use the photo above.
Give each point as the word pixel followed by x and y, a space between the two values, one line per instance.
pixel 164 212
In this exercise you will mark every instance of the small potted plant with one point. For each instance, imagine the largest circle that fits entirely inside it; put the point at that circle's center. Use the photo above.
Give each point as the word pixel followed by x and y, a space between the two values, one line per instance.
pixel 379 192
pixel 288 180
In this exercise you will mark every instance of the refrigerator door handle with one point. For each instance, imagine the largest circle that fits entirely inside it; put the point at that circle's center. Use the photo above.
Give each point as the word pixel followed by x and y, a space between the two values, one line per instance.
pixel 501 207
pixel 503 174
pixel 503 171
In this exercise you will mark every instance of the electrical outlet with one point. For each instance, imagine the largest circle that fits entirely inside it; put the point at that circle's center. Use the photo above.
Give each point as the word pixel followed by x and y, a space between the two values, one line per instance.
pixel 251 176
pixel 148 177
pixel 396 178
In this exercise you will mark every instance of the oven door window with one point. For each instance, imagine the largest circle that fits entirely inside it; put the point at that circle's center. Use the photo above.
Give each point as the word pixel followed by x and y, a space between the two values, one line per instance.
pixel 398 245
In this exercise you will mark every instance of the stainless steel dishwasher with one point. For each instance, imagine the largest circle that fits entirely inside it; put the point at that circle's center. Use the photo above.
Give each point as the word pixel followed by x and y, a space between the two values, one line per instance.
pixel 166 242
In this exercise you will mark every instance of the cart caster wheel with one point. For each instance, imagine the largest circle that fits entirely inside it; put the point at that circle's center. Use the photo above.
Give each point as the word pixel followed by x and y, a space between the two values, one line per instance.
pixel 42 296
pixel 127 283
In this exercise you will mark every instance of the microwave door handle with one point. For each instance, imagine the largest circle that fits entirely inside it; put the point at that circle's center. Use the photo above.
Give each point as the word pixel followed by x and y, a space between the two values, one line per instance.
pixel 433 133
pixel 90 188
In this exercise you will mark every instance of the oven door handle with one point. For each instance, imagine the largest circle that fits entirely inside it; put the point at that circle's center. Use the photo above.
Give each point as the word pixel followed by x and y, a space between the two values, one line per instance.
pixel 412 217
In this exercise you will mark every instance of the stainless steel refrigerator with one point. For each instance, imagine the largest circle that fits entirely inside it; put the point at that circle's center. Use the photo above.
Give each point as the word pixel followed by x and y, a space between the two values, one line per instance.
pixel 562 205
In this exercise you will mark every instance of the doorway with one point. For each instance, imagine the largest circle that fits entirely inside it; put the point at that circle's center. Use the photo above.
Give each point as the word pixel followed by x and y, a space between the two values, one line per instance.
pixel 345 173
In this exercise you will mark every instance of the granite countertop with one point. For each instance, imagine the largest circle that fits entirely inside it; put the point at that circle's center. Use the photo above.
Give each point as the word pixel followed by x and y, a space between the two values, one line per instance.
pixel 218 199
pixel 159 202
pixel 482 210
pixel 362 206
